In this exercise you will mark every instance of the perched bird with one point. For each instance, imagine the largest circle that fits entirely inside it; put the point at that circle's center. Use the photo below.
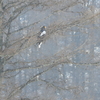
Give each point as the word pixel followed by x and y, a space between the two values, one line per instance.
pixel 42 33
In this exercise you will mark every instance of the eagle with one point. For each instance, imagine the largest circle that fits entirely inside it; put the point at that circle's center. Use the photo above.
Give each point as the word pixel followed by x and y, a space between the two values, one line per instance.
pixel 42 33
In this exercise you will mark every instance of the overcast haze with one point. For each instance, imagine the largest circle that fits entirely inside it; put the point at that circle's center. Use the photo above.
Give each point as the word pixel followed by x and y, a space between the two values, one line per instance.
pixel 66 67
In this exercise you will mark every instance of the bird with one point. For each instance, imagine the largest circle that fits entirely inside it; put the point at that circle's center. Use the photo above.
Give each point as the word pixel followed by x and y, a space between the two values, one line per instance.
pixel 42 33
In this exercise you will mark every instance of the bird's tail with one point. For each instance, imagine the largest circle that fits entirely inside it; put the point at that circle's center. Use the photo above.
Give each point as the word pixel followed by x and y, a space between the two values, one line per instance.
pixel 39 46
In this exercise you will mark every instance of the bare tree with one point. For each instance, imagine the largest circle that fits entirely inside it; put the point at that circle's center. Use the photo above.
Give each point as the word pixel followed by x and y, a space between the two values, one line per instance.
pixel 62 68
